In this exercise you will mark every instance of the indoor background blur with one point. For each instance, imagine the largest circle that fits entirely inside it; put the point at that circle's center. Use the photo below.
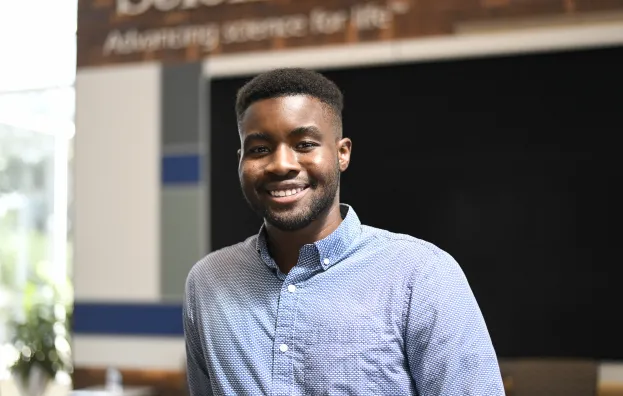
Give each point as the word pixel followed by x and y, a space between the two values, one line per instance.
pixel 486 127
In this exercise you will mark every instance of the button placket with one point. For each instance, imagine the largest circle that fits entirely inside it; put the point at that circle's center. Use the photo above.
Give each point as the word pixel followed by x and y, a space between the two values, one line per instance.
pixel 282 367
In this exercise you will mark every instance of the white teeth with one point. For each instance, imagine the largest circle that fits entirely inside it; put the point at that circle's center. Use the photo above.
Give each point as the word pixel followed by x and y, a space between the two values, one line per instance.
pixel 286 193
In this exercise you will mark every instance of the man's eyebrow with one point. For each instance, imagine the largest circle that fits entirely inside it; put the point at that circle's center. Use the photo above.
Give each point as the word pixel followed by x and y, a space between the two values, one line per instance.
pixel 310 130
pixel 256 136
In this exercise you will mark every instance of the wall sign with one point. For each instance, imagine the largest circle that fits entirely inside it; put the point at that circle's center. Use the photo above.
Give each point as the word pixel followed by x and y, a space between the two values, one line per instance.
pixel 115 31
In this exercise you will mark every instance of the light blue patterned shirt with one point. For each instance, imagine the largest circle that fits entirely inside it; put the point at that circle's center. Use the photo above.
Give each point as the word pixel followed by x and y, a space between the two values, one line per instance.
pixel 364 312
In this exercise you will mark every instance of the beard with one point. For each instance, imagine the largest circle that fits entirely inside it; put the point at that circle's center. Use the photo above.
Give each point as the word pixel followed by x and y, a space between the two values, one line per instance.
pixel 299 217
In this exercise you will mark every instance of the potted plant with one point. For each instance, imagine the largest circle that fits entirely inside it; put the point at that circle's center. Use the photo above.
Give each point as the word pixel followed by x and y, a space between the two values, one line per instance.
pixel 41 338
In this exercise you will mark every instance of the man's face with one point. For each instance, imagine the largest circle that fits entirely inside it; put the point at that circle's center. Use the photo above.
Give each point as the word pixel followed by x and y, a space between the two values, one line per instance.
pixel 290 160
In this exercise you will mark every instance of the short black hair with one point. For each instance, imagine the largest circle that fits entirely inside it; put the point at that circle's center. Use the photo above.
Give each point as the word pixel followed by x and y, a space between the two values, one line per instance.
pixel 290 81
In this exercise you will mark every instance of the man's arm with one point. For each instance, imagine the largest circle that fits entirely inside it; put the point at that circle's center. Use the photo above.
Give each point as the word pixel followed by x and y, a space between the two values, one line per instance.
pixel 448 346
pixel 196 371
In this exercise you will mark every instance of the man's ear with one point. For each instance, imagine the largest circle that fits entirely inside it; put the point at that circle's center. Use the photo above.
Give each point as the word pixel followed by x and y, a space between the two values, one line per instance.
pixel 239 154
pixel 344 149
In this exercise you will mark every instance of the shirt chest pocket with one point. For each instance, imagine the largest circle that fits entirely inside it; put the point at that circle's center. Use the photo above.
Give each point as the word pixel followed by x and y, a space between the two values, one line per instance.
pixel 342 360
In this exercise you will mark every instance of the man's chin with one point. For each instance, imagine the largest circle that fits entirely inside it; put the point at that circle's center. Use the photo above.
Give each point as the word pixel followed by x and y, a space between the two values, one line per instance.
pixel 286 221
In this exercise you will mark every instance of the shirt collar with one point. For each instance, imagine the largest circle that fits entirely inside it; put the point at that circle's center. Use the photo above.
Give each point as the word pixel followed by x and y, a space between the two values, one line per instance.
pixel 331 249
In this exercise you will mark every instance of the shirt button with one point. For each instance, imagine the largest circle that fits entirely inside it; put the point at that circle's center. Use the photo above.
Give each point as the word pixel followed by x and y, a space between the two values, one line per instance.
pixel 326 261
pixel 283 348
pixel 291 288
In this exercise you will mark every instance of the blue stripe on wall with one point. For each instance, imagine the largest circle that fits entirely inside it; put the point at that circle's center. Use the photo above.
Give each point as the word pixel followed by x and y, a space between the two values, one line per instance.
pixel 181 169
pixel 128 319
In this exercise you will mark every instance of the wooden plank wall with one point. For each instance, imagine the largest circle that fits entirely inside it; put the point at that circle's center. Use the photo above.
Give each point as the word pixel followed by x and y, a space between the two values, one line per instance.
pixel 106 35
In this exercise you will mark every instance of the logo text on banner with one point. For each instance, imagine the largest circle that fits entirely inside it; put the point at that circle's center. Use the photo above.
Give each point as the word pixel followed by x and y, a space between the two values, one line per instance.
pixel 115 31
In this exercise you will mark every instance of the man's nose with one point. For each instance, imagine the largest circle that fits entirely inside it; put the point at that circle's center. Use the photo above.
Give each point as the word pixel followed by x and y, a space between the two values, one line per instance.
pixel 283 161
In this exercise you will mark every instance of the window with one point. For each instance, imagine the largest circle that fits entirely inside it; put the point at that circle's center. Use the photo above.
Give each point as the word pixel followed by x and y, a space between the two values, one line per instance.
pixel 37 73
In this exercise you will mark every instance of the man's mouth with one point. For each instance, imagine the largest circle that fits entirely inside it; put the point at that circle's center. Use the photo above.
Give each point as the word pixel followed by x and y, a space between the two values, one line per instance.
pixel 286 192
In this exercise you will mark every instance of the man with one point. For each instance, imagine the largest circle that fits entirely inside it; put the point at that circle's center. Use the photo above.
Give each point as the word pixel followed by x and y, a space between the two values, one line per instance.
pixel 317 303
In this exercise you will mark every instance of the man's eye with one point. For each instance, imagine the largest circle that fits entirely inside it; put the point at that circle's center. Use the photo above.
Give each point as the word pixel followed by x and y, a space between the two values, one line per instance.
pixel 258 150
pixel 306 145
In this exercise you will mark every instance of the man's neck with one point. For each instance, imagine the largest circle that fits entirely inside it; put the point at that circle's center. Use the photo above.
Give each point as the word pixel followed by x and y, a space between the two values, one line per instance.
pixel 285 246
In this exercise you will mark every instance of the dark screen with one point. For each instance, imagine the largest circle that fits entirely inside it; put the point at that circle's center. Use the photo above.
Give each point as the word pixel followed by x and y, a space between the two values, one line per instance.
pixel 508 163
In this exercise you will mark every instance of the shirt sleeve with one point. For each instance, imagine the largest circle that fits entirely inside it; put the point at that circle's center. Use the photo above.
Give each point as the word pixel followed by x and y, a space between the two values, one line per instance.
pixel 448 346
pixel 198 380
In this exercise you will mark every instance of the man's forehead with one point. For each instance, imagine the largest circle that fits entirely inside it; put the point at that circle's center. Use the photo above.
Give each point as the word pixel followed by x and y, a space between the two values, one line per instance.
pixel 289 103
pixel 295 108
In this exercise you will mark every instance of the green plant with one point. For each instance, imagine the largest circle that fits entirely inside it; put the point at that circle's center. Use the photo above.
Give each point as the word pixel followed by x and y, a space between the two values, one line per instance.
pixel 41 336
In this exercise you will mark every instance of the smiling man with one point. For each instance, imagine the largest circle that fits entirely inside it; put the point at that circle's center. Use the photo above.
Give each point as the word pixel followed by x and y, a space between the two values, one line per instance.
pixel 317 303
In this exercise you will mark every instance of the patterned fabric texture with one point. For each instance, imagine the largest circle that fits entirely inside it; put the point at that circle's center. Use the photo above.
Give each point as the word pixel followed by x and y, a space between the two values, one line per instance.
pixel 364 312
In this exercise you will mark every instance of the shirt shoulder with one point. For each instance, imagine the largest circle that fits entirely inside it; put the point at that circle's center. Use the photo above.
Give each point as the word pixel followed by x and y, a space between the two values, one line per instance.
pixel 224 262
pixel 415 255
pixel 410 243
